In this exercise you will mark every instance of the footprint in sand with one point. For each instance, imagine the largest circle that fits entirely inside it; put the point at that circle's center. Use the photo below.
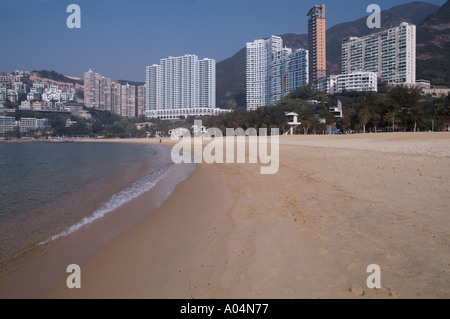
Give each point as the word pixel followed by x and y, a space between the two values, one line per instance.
pixel 300 220
pixel 394 295
pixel 385 291
pixel 357 291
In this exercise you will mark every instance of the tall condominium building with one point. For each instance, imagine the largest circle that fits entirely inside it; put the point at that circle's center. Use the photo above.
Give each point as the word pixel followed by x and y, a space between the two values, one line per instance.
pixel 140 97
pixel 128 100
pixel 116 100
pixel 297 69
pixel 105 94
pixel 391 54
pixel 273 71
pixel 153 86
pixel 178 82
pixel 317 43
pixel 97 91
pixel 259 56
pixel 91 89
pixel 206 83
pixel 276 71
pixel 181 86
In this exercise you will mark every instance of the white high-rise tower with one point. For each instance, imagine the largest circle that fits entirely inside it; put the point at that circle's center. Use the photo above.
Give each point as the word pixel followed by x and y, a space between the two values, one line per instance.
pixel 273 71
pixel 181 86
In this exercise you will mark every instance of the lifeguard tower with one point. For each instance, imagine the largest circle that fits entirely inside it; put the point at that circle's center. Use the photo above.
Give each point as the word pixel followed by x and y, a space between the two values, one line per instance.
pixel 292 122
pixel 337 111
pixel 199 131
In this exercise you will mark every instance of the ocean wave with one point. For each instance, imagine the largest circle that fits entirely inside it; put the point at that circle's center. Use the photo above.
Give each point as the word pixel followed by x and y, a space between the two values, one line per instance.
pixel 138 188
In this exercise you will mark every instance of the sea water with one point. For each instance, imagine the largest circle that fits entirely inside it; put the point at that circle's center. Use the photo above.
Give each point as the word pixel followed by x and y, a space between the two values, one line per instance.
pixel 49 190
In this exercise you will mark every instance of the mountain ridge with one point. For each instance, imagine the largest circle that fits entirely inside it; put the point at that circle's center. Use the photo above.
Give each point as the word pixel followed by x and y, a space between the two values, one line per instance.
pixel 433 47
pixel 53 75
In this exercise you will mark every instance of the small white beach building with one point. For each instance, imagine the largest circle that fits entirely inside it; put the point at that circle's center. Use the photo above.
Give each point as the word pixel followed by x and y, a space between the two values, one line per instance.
pixel 292 122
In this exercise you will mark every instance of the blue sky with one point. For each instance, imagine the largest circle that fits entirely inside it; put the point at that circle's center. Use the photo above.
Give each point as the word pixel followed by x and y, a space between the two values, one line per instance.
pixel 118 38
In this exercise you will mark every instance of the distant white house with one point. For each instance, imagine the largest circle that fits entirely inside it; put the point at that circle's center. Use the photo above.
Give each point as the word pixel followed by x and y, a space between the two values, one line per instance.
pixel 356 81
pixel 140 126
pixel 337 111
pixel 28 124
pixel 25 105
pixel 69 122
pixel 197 131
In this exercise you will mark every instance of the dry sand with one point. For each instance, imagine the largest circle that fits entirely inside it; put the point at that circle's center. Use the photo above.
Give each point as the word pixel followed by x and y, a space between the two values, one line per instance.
pixel 336 205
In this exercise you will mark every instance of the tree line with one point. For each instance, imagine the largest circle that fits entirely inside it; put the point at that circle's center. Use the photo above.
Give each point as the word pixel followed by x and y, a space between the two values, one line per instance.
pixel 101 123
pixel 397 109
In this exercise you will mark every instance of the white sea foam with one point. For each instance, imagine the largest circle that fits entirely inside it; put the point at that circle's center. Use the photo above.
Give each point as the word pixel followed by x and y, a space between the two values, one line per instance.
pixel 139 187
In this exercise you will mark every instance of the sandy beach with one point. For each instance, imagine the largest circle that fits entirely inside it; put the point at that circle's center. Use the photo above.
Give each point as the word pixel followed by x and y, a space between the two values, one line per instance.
pixel 336 205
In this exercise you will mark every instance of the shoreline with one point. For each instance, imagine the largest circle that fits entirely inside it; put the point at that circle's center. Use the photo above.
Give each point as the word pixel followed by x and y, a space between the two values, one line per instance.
pixel 167 140
pixel 44 262
pixel 90 194
pixel 154 140
pixel 308 231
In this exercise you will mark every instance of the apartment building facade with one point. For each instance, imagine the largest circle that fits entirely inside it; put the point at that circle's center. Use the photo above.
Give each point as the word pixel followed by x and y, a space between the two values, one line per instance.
pixel 141 90
pixel 273 71
pixel 352 82
pixel 108 95
pixel 7 124
pixel 28 124
pixel 390 53
pixel 181 86
pixel 317 43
